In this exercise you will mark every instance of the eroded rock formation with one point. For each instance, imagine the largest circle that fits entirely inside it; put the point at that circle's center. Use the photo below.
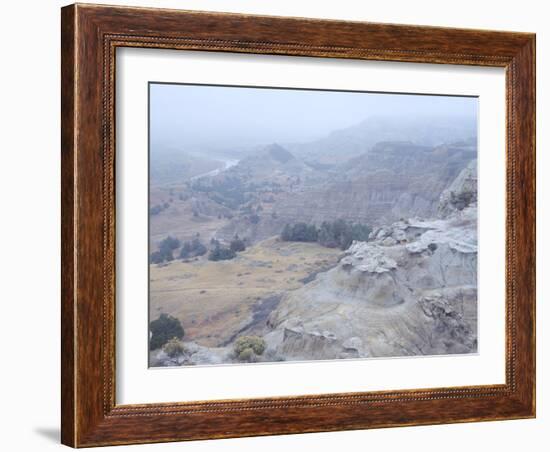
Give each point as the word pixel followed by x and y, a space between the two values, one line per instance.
pixel 411 290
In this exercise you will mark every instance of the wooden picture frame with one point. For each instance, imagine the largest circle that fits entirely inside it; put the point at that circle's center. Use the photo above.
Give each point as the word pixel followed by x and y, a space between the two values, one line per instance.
pixel 90 35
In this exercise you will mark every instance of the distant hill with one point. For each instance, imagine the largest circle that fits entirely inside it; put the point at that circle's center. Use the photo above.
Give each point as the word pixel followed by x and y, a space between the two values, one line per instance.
pixel 268 159
pixel 392 180
pixel 344 144
pixel 346 175
pixel 271 168
pixel 279 153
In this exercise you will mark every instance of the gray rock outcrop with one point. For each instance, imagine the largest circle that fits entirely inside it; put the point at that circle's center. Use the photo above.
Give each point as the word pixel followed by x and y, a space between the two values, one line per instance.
pixel 191 354
pixel 461 193
pixel 410 290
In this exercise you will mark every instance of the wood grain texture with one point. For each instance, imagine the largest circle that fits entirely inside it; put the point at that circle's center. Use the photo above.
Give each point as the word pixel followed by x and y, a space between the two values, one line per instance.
pixel 90 36
pixel 68 147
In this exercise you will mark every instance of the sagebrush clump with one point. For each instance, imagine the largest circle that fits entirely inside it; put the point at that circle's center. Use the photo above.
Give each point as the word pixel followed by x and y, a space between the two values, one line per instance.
pixel 249 348
pixel 173 347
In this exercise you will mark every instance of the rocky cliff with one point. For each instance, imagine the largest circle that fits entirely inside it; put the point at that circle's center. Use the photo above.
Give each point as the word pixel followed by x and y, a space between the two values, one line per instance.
pixel 411 290
pixel 391 181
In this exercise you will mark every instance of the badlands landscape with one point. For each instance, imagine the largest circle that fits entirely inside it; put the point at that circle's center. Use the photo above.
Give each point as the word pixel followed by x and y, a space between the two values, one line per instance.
pixel 361 243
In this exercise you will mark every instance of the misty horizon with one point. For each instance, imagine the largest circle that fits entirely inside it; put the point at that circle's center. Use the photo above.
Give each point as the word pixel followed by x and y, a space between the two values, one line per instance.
pixel 194 118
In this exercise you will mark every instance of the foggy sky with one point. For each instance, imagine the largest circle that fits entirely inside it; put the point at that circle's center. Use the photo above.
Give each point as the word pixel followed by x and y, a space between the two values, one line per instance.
pixel 190 117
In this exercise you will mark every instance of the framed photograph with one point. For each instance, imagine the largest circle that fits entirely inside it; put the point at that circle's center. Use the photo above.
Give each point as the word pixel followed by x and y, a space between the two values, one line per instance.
pixel 281 225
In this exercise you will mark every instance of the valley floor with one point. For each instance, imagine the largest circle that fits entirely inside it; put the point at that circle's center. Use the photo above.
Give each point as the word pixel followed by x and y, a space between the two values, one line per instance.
pixel 216 300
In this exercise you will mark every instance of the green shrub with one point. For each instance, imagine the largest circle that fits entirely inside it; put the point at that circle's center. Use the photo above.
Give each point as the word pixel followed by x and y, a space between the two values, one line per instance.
pixel 173 347
pixel 300 232
pixel 220 253
pixel 360 232
pixel 185 251
pixel 168 245
pixel 165 251
pixel 156 258
pixel 248 348
pixel 198 248
pixel 332 234
pixel 341 234
pixel 248 356
pixel 237 245
pixel 163 329
pixel 192 249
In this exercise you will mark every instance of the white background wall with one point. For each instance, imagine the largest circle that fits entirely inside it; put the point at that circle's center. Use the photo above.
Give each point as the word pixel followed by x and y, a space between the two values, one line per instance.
pixel 29 238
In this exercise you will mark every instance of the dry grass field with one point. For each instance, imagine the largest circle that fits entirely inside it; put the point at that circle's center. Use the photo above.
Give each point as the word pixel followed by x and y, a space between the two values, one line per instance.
pixel 177 218
pixel 214 300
